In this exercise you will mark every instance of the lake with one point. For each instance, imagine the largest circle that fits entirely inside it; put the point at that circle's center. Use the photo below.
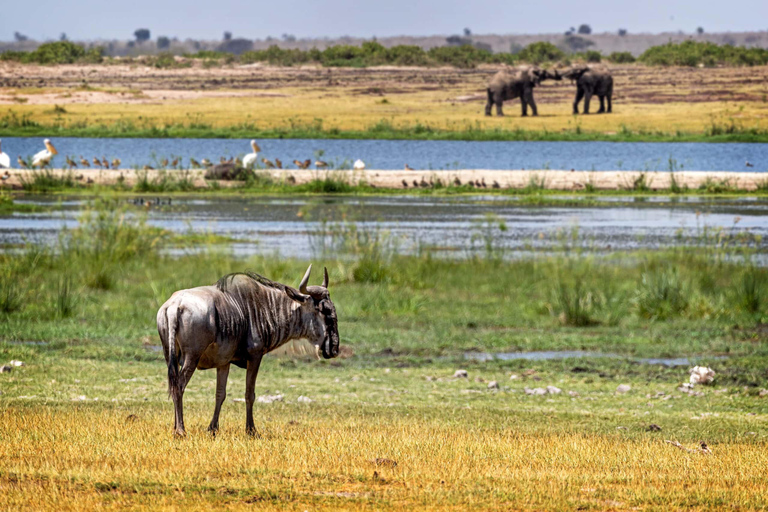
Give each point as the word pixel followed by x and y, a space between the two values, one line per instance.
pixel 420 155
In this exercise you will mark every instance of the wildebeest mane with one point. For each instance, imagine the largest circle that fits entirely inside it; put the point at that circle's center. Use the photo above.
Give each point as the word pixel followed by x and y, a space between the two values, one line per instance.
pixel 250 306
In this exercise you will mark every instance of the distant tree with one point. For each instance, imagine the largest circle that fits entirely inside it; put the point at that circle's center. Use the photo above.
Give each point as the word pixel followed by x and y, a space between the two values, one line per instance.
pixel 457 40
pixel 467 32
pixel 236 46
pixel 163 43
pixel 700 30
pixel 622 32
pixel 585 29
pixel 19 37
pixel 227 35
pixel 574 43
pixel 63 36
pixel 141 35
pixel 131 44
pixel 289 38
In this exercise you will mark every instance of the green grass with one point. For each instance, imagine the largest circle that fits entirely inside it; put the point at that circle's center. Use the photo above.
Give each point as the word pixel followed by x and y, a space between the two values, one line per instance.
pixel 87 421
pixel 13 125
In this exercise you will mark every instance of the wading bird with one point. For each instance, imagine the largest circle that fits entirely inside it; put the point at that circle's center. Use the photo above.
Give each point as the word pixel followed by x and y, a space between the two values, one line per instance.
pixel 269 164
pixel 359 165
pixel 43 158
pixel 250 159
pixel 105 162
pixel 278 163
pixel 205 162
pixel 408 167
pixel 5 160
pixel 748 164
pixel 193 163
pixel 496 184
pixel 303 165
pixel 115 163
pixel 6 175
pixel 96 162
pixel 320 164
pixel 70 163
pixel 22 163
pixel 164 162
pixel 84 162
pixel 457 181
pixel 175 162
pixel 405 184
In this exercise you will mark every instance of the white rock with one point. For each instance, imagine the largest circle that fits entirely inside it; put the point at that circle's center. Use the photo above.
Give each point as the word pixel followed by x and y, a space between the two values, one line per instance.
pixel 554 390
pixel 535 391
pixel 493 385
pixel 763 392
pixel 238 399
pixel 268 399
pixel 513 377
pixel 17 363
pixel 573 393
pixel 304 400
pixel 460 374
pixel 701 375
pixel 623 388
pixel 80 398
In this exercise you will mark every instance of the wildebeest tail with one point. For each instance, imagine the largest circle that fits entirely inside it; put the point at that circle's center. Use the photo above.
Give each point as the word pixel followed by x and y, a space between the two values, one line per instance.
pixel 167 326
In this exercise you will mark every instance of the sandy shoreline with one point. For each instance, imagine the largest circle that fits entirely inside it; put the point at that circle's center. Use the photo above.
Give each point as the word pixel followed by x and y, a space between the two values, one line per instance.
pixel 555 180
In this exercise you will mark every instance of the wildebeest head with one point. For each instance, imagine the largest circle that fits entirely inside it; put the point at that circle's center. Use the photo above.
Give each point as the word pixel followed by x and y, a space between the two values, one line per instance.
pixel 316 300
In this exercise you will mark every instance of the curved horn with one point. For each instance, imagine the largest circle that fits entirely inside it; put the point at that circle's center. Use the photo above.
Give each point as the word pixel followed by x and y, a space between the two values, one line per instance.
pixel 305 280
pixel 325 277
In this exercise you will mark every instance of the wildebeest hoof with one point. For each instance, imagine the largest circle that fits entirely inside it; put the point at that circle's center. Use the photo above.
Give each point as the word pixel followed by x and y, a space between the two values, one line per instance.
pixel 179 432
pixel 252 432
pixel 213 430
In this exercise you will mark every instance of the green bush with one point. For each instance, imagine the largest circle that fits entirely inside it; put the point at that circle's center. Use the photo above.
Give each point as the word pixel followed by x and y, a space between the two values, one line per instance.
pixel 59 52
pixel 536 53
pixel 465 56
pixel 621 58
pixel 695 53
pixel 662 294
pixel 593 56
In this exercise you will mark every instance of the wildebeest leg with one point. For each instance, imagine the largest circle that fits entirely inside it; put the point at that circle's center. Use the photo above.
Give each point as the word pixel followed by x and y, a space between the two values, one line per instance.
pixel 579 95
pixel 221 393
pixel 185 374
pixel 250 393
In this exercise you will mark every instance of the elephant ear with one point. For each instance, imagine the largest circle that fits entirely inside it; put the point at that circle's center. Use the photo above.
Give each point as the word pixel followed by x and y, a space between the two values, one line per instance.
pixel 534 75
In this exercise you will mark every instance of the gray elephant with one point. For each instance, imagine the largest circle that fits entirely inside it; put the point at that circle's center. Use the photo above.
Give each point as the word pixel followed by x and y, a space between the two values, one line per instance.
pixel 592 79
pixel 516 83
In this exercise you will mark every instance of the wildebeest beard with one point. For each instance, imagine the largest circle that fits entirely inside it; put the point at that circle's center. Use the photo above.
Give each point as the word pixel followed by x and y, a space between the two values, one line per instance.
pixel 330 347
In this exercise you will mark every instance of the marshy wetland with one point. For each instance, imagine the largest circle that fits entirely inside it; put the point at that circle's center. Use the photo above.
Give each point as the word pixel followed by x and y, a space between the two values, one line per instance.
pixel 575 315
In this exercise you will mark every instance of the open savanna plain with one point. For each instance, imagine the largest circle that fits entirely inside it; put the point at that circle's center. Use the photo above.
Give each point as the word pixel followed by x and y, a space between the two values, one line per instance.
pixel 86 423
pixel 650 103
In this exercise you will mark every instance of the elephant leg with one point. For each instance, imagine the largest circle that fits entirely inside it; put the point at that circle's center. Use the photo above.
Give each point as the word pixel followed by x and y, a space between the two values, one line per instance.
pixel 587 97
pixel 489 105
pixel 221 393
pixel 579 95
pixel 602 104
pixel 250 393
pixel 498 99
pixel 523 106
pixel 530 101
pixel 610 103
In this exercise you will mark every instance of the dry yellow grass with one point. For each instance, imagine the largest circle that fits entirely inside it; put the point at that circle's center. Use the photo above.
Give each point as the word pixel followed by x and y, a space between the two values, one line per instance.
pixel 646 99
pixel 83 457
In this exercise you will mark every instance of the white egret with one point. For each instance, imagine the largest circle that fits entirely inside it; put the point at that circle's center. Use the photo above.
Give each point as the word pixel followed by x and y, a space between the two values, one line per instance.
pixel 5 160
pixel 43 158
pixel 359 165
pixel 250 158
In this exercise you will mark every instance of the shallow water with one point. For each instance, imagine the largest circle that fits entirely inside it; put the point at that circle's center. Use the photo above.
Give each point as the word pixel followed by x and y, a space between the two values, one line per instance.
pixel 549 355
pixel 422 155
pixel 452 226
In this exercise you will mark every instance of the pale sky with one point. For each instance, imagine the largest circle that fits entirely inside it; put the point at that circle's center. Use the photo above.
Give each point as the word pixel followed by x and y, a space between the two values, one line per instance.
pixel 254 19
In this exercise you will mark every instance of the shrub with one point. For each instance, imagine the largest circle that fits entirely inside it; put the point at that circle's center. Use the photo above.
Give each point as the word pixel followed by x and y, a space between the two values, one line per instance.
pixel 59 52
pixel 593 56
pixel 407 55
pixel 621 58
pixel 695 53
pixel 465 56
pixel 536 53
pixel 662 294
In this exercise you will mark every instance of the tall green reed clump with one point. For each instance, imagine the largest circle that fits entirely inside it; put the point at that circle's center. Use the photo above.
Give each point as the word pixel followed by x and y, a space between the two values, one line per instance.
pixel 108 236
pixel 662 293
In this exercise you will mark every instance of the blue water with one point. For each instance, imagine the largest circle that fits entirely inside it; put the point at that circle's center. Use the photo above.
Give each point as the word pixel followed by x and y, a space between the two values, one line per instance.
pixel 426 155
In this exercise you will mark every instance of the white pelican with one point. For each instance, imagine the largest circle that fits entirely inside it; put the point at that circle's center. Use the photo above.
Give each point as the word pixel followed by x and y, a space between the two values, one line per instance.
pixel 250 158
pixel 5 160
pixel 359 165
pixel 43 158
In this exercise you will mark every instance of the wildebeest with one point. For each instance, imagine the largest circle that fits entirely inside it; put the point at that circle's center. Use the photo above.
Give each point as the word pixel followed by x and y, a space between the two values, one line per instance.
pixel 238 320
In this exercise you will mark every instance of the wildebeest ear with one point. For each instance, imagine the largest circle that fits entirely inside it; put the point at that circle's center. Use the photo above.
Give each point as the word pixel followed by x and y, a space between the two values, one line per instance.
pixel 295 295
